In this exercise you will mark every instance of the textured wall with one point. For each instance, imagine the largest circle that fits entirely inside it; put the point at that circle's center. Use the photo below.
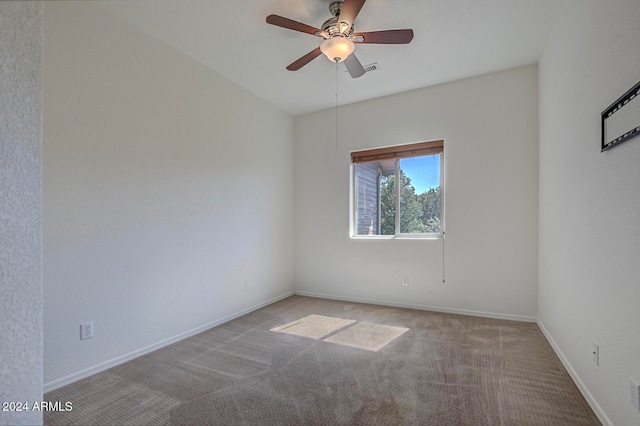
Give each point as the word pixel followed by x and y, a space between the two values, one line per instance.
pixel 20 208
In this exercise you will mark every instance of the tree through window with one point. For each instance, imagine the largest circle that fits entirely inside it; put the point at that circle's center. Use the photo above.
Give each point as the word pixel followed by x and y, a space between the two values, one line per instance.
pixel 398 190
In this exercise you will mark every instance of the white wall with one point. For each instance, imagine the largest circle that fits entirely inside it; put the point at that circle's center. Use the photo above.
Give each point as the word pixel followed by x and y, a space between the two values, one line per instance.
pixel 20 209
pixel 166 187
pixel 590 203
pixel 490 127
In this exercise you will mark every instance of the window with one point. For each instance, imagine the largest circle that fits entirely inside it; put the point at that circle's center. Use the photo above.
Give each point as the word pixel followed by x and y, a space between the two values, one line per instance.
pixel 398 191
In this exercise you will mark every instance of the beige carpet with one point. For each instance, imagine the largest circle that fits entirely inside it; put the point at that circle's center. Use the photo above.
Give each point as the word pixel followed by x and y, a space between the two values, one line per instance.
pixel 313 326
pixel 364 335
pixel 446 370
pixel 368 336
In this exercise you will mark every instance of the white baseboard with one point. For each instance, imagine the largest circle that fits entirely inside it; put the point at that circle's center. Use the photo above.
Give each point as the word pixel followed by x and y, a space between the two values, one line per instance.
pixel 495 315
pixel 55 384
pixel 576 379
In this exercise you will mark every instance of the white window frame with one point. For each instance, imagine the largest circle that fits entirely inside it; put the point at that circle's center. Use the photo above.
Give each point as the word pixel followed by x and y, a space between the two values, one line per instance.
pixel 353 198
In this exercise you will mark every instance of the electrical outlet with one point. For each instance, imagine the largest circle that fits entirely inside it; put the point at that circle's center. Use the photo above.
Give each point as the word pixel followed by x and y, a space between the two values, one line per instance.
pixel 405 281
pixel 595 353
pixel 634 393
pixel 86 330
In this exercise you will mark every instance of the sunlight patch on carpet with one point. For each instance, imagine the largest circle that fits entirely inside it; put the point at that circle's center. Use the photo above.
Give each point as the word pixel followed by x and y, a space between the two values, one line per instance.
pixel 313 326
pixel 365 335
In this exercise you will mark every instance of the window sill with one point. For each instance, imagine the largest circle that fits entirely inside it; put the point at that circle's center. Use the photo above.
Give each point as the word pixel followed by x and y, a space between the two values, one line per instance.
pixel 398 237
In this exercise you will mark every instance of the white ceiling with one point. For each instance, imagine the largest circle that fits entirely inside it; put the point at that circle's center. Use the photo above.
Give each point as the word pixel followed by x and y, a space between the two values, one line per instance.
pixel 453 39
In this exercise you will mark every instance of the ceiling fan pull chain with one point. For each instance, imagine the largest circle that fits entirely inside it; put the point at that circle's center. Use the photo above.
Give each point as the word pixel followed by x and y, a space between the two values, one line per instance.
pixel 336 105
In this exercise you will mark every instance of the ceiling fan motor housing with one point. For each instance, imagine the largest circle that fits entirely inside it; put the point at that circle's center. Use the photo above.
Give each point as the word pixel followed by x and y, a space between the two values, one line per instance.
pixel 331 27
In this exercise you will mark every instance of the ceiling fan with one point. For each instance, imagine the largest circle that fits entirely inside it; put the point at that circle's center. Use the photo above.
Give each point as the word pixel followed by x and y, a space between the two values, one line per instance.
pixel 340 37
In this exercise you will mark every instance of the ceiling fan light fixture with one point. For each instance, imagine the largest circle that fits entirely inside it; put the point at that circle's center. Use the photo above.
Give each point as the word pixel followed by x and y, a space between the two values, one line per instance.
pixel 338 34
pixel 337 48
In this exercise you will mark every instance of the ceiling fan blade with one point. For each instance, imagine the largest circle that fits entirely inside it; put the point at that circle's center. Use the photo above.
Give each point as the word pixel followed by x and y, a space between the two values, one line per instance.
pixel 354 66
pixel 296 65
pixel 385 37
pixel 290 24
pixel 348 13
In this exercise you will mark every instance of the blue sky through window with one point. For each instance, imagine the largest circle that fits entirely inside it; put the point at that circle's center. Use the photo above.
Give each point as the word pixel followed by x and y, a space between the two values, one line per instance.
pixel 424 172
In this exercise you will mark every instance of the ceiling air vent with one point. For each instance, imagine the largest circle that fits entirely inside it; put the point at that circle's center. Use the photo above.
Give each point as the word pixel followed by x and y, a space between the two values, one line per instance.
pixel 368 68
pixel 371 67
